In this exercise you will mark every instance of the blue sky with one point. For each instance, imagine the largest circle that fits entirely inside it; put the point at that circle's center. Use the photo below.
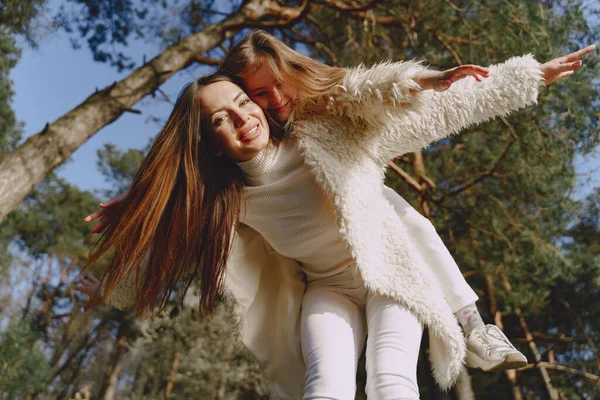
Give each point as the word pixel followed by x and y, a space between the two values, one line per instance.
pixel 54 78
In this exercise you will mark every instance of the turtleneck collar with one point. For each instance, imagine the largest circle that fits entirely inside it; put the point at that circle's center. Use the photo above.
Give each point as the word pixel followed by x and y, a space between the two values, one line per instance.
pixel 271 164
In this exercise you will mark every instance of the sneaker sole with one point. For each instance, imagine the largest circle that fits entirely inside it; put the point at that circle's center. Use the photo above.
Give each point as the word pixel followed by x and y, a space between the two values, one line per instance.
pixel 512 361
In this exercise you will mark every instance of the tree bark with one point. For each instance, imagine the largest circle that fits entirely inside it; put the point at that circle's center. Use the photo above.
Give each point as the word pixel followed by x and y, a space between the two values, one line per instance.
pixel 25 167
pixel 107 388
pixel 464 388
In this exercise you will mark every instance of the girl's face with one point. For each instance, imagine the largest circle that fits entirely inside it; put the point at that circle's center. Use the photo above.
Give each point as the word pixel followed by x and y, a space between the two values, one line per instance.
pixel 237 125
pixel 271 95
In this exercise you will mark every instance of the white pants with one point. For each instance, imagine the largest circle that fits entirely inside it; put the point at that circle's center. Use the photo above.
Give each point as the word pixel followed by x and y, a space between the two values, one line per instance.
pixel 456 290
pixel 336 317
pixel 337 314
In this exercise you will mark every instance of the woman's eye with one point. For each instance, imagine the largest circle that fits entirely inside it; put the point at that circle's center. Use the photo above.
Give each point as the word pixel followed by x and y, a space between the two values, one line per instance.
pixel 244 102
pixel 260 94
pixel 218 121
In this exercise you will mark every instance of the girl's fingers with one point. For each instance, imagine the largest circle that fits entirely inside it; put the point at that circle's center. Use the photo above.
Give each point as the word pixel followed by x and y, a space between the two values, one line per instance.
pixel 569 67
pixel 475 68
pixel 579 53
pixel 563 75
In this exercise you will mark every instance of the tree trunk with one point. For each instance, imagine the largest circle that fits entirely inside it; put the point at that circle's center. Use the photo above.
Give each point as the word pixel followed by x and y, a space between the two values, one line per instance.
pixel 25 167
pixel 107 387
pixel 464 388
pixel 111 389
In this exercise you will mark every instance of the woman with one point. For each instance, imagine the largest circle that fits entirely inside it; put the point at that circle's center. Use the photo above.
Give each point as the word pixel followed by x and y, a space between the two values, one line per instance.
pixel 366 225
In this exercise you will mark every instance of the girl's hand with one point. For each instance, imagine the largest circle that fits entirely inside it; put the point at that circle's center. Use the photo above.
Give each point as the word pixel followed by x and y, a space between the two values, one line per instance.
pixel 89 285
pixel 442 80
pixel 561 67
pixel 106 212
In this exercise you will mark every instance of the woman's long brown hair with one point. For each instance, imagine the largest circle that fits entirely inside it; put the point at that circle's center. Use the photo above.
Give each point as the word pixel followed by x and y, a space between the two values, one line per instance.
pixel 178 218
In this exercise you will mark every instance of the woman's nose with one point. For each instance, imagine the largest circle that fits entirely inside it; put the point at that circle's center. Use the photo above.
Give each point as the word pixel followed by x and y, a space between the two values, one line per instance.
pixel 239 118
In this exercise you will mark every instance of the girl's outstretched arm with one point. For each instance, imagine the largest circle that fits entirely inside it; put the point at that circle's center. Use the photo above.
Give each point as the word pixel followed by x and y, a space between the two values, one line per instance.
pixel 509 86
pixel 365 91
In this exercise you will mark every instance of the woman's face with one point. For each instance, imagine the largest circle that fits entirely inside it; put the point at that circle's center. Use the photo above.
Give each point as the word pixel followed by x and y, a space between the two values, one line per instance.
pixel 271 95
pixel 237 125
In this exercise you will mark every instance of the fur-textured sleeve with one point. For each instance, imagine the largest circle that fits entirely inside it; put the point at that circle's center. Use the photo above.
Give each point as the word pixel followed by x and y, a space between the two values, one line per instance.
pixel 511 85
pixel 364 90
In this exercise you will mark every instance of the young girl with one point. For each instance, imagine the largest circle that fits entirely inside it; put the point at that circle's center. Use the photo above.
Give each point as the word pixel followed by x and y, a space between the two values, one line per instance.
pixel 364 265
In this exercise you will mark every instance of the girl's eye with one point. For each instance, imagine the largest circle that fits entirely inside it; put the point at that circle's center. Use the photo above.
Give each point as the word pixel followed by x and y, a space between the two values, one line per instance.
pixel 244 102
pixel 260 94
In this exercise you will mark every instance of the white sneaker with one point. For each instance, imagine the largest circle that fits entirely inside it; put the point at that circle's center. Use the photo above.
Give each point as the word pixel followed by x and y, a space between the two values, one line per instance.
pixel 490 350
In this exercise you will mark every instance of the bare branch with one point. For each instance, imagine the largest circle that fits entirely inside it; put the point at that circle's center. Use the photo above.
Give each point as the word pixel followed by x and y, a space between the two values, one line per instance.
pixel 288 16
pixel 366 14
pixel 339 5
pixel 490 171
pixel 559 367
pixel 405 176
pixel 439 37
pixel 552 392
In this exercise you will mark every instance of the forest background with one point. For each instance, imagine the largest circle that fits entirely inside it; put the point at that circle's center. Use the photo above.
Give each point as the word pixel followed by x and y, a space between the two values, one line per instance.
pixel 516 200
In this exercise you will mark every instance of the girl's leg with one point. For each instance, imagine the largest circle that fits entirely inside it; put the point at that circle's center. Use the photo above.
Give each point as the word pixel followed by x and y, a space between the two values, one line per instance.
pixel 456 290
pixel 333 330
pixel 393 347
pixel 487 348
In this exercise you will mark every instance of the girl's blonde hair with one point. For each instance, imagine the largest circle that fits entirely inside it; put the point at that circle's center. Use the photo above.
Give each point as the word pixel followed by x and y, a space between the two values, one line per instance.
pixel 311 78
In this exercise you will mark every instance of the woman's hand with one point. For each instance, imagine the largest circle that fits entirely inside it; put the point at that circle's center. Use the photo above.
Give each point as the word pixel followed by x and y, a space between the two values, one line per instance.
pixel 442 80
pixel 561 67
pixel 106 212
pixel 89 285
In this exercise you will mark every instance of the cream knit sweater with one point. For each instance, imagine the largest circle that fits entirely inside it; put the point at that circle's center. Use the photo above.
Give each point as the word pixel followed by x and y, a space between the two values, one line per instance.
pixel 284 203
